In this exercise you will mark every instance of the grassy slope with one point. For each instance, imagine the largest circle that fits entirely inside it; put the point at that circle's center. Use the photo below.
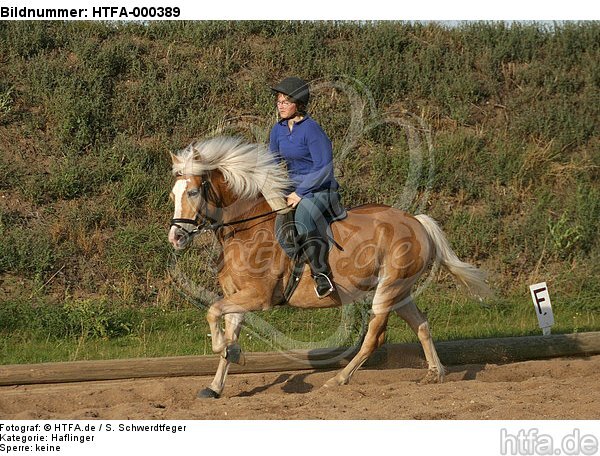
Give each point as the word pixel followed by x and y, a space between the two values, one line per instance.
pixel 89 110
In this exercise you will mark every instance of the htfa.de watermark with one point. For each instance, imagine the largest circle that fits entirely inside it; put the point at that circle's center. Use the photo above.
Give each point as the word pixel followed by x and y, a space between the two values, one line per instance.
pixel 532 442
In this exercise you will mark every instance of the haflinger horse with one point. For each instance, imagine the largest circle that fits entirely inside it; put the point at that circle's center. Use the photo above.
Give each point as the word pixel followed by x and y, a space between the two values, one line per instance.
pixel 236 189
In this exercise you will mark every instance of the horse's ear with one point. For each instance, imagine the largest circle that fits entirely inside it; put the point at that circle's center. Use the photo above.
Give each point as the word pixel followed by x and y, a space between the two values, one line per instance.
pixel 175 159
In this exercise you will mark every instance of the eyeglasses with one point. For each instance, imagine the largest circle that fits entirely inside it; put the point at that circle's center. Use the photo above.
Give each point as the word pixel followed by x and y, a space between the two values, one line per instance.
pixel 284 103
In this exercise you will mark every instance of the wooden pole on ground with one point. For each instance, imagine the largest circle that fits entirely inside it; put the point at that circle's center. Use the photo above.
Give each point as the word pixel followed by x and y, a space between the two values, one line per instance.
pixel 459 352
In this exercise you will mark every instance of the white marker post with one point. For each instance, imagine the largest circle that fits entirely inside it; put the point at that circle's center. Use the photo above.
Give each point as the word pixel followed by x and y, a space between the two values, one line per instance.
pixel 543 307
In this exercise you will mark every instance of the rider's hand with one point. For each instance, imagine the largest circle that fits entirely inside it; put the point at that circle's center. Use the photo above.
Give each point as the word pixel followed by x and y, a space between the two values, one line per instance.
pixel 293 199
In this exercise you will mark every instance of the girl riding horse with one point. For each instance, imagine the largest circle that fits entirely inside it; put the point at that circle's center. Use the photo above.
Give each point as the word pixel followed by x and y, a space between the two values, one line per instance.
pixel 235 189
pixel 307 152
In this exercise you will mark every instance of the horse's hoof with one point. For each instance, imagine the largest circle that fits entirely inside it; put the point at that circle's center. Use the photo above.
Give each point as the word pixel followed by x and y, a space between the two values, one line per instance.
pixel 207 393
pixel 332 383
pixel 432 377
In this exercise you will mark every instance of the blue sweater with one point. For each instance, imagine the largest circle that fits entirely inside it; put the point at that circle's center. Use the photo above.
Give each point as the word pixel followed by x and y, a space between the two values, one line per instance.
pixel 308 154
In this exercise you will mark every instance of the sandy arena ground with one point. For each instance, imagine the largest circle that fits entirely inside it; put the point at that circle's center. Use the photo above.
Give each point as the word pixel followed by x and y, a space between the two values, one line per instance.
pixel 566 388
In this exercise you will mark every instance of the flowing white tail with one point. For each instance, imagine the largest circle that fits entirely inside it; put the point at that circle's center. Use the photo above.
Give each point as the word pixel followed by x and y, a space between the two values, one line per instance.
pixel 470 276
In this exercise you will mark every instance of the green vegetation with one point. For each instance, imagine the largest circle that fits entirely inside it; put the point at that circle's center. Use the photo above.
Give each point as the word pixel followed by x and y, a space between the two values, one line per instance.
pixel 89 111
pixel 96 329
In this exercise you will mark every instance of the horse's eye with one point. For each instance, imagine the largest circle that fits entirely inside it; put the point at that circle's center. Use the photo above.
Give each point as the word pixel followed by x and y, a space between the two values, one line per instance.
pixel 193 193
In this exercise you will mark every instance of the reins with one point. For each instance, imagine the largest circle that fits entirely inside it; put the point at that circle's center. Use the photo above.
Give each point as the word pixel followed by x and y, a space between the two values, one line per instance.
pixel 216 225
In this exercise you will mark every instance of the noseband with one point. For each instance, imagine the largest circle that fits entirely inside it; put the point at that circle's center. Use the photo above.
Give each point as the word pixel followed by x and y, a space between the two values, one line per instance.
pixel 204 221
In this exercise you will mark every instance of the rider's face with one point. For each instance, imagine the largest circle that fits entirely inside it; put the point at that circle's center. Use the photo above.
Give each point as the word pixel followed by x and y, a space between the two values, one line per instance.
pixel 285 107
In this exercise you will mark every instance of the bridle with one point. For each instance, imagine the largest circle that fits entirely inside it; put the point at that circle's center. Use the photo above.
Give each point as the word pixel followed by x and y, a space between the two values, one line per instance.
pixel 203 221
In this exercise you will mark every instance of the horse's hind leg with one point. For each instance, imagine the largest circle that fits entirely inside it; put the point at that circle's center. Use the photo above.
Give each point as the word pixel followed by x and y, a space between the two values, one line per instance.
pixel 418 323
pixel 233 326
pixel 372 340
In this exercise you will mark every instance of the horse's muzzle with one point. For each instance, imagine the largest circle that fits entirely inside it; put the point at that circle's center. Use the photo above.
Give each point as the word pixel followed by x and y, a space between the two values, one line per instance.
pixel 179 237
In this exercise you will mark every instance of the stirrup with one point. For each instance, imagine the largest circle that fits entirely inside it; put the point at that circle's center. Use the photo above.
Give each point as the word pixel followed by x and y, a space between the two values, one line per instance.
pixel 327 292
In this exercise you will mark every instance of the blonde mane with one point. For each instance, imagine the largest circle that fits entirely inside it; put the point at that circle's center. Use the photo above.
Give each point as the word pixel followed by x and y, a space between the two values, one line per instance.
pixel 248 169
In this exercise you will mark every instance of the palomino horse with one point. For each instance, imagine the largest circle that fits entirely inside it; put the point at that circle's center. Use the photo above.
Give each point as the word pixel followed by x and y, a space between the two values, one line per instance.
pixel 236 189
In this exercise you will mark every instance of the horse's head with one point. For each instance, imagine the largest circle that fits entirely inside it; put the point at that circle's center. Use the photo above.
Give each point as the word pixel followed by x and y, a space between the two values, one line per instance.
pixel 185 218
pixel 199 201
pixel 220 175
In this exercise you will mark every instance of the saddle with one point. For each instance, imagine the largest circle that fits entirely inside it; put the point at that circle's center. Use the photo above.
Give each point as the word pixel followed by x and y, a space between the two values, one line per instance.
pixel 287 236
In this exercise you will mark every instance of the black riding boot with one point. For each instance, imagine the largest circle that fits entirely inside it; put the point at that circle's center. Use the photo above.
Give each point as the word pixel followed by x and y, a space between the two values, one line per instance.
pixel 316 253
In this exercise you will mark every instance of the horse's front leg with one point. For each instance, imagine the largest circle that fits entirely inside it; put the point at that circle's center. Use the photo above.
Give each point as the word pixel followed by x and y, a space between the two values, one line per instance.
pixel 232 309
pixel 229 353
pixel 237 303
pixel 217 335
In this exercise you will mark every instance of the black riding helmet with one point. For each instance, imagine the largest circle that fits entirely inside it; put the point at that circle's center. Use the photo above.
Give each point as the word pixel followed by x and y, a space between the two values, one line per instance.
pixel 295 88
